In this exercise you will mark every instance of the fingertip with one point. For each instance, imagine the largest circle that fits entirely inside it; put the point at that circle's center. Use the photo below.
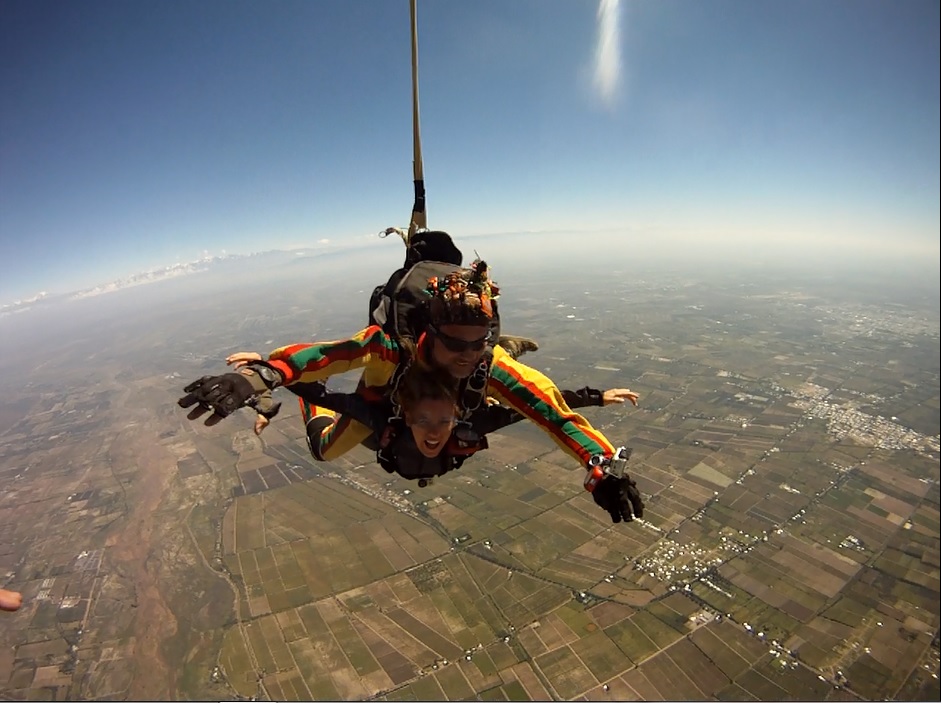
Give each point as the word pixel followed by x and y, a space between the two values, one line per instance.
pixel 196 413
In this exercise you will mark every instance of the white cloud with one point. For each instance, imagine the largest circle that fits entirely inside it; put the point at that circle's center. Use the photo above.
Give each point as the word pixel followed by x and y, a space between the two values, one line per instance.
pixel 608 51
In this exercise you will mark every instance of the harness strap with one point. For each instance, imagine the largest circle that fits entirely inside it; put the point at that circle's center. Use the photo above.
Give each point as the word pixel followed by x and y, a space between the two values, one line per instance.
pixel 474 388
pixel 386 440
pixel 393 386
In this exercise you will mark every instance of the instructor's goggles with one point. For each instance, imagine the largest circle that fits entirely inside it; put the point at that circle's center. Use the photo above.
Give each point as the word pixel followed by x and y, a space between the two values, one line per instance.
pixel 456 345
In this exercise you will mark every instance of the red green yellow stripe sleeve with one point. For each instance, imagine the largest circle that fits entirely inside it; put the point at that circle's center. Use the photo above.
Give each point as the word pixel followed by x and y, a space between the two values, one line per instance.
pixel 537 398
pixel 370 348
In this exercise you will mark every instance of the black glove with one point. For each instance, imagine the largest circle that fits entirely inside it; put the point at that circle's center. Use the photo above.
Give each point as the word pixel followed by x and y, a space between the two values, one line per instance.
pixel 222 394
pixel 620 497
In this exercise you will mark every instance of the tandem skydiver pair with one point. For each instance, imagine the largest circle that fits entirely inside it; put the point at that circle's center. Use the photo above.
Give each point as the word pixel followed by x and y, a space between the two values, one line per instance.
pixel 440 328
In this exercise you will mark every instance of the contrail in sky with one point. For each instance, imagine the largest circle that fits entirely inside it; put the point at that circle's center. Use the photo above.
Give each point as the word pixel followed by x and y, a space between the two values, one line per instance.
pixel 608 50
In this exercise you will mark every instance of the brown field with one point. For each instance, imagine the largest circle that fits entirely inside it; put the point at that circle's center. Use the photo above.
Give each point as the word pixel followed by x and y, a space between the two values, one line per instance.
pixel 160 557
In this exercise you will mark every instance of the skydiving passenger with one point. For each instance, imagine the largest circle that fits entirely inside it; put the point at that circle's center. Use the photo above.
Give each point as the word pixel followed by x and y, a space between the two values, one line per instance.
pixel 460 309
pixel 430 438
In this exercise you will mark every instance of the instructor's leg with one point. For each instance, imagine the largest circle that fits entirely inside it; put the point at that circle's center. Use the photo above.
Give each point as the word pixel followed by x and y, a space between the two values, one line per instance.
pixel 517 346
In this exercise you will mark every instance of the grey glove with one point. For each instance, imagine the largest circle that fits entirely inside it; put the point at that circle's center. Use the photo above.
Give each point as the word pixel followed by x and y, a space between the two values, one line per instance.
pixel 265 405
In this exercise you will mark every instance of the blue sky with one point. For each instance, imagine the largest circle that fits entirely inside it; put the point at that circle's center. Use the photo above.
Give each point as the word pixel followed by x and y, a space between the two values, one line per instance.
pixel 138 134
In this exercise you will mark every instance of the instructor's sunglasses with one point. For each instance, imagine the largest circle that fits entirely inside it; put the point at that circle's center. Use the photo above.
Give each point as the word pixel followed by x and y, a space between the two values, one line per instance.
pixel 453 344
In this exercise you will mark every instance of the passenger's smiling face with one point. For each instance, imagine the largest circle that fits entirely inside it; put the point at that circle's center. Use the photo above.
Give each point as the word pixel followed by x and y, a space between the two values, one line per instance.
pixel 431 422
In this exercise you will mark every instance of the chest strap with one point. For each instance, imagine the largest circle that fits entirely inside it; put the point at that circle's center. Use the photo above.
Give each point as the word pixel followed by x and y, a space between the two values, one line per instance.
pixel 474 387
